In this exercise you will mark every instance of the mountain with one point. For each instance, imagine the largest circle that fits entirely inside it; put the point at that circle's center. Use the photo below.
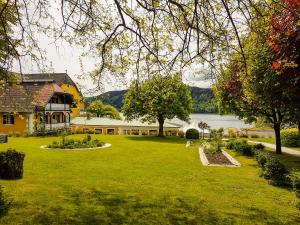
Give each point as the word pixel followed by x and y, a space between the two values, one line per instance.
pixel 203 99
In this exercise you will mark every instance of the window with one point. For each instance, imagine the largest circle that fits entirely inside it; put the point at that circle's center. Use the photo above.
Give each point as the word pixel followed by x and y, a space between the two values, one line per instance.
pixel 98 131
pixel 8 119
pixel 110 131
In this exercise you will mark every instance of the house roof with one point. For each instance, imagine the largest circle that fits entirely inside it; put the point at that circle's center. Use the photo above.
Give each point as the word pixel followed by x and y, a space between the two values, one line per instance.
pixel 59 78
pixel 101 121
pixel 25 97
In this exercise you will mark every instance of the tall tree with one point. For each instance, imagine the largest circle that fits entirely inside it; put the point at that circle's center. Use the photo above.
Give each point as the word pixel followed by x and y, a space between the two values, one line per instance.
pixel 284 37
pixel 259 91
pixel 159 98
pixel 102 110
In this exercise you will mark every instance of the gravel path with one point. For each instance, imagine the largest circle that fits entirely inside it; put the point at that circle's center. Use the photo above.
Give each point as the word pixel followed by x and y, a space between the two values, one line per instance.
pixel 284 149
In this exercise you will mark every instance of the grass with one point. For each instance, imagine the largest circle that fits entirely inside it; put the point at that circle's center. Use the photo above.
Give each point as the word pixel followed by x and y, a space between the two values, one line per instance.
pixel 272 141
pixel 141 180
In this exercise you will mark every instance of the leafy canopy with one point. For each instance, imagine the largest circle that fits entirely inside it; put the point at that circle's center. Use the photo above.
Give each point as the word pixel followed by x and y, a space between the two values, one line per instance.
pixel 158 98
pixel 103 110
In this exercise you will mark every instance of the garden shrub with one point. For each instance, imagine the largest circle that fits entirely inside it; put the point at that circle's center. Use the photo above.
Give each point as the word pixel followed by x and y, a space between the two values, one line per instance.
pixel 232 132
pixel 11 164
pixel 275 171
pixel 258 147
pixel 89 137
pixel 296 186
pixel 254 136
pixel 69 143
pixel 290 137
pixel 240 146
pixel 261 158
pixel 230 145
pixel 192 134
pixel 4 203
pixel 214 147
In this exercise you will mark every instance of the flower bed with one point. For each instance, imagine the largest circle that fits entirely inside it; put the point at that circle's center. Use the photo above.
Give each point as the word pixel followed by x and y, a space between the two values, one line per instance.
pixel 69 143
pixel 212 155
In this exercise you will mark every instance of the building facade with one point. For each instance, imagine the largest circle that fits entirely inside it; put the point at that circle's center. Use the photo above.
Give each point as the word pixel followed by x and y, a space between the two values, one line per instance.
pixel 66 83
pixel 33 107
pixel 98 125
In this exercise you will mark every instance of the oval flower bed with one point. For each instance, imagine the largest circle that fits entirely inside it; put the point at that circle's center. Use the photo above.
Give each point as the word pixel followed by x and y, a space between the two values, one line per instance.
pixel 212 155
pixel 70 143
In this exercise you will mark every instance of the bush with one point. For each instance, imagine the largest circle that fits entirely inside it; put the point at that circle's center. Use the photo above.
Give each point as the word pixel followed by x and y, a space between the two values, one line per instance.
pixel 89 137
pixel 11 164
pixel 258 147
pixel 232 132
pixel 192 134
pixel 261 159
pixel 230 145
pixel 296 186
pixel 213 147
pixel 290 137
pixel 275 171
pixel 254 136
pixel 4 203
pixel 241 146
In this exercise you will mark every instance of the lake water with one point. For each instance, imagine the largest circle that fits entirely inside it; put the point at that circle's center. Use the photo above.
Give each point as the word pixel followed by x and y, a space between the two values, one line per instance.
pixel 216 121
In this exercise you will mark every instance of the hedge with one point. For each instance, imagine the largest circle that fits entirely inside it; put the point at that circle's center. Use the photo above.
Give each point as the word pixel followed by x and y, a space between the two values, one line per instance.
pixel 11 164
pixel 290 137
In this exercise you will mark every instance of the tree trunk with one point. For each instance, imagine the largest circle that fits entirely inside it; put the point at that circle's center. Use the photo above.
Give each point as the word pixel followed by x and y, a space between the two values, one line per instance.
pixel 203 133
pixel 161 126
pixel 277 136
pixel 299 127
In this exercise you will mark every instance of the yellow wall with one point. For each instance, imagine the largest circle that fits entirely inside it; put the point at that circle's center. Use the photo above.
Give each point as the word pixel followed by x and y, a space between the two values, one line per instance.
pixel 71 89
pixel 20 126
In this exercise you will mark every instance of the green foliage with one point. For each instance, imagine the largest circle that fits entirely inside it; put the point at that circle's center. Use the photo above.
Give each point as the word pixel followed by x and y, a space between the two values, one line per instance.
pixel 296 186
pixel 192 134
pixel 258 147
pixel 70 143
pixel 272 169
pixel 213 147
pixel 290 137
pixel 158 99
pixel 5 204
pixel 275 171
pixel 11 164
pixel 261 158
pixel 243 147
pixel 102 110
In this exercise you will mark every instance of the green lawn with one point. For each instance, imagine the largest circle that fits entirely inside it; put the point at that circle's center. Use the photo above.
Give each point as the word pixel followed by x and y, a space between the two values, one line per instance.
pixel 141 180
pixel 272 141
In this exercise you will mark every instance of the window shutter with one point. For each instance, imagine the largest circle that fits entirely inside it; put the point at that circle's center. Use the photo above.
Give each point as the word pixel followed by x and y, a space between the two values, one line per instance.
pixel 4 119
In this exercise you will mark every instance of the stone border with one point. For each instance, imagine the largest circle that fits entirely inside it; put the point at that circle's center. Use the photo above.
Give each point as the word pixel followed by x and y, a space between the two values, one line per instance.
pixel 205 162
pixel 106 145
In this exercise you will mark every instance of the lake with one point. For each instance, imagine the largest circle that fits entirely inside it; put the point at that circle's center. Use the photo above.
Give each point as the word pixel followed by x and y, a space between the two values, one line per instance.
pixel 216 121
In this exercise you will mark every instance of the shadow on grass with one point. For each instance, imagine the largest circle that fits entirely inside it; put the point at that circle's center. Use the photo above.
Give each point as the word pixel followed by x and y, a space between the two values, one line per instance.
pixel 96 207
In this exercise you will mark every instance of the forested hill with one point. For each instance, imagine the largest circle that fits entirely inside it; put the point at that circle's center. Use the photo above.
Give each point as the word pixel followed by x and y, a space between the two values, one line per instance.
pixel 203 99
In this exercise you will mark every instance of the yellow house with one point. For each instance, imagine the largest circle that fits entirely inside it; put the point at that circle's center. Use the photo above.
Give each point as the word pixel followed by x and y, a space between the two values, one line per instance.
pixel 33 107
pixel 66 83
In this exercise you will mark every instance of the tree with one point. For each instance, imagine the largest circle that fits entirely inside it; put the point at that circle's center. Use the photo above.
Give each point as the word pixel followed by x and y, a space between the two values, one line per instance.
pixel 259 92
pixel 158 99
pixel 102 110
pixel 202 125
pixel 284 37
